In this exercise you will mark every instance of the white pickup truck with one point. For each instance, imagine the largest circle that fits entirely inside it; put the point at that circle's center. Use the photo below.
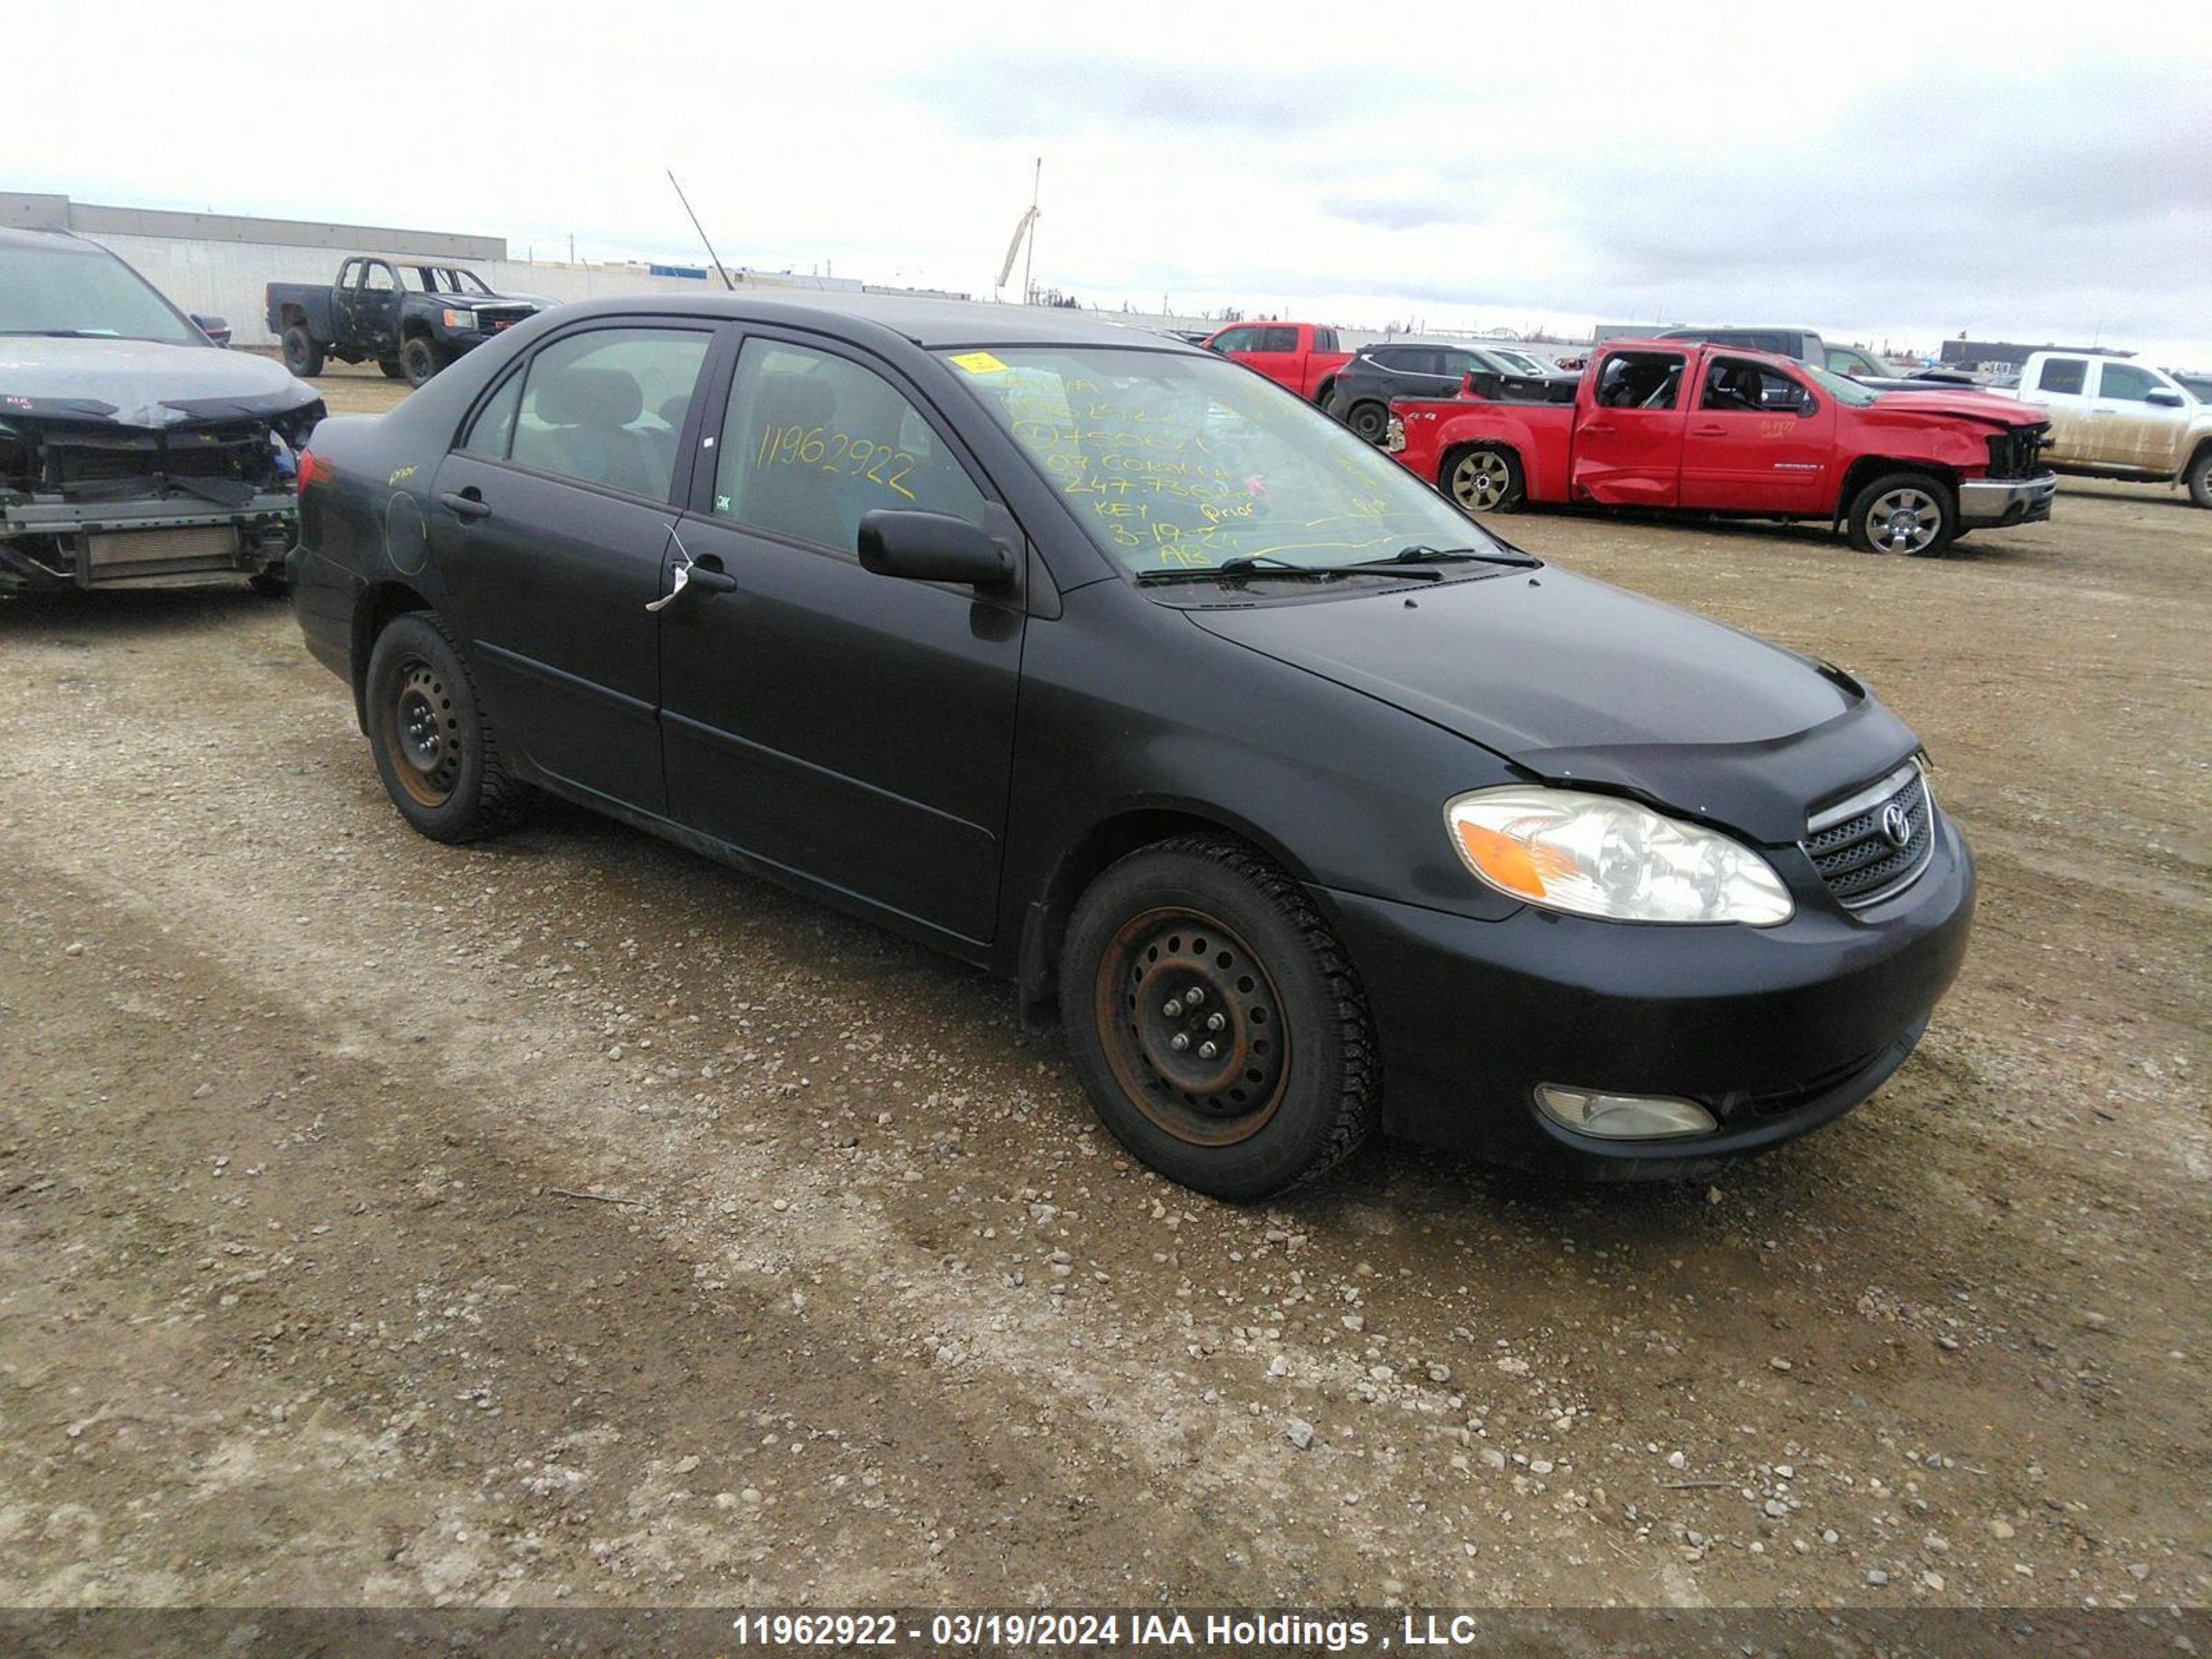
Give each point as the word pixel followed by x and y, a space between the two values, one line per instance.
pixel 2116 419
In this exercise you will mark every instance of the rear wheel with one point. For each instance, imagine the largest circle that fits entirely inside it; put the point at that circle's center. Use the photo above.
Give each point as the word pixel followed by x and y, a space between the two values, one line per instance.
pixel 1908 512
pixel 1368 421
pixel 1215 1021
pixel 2200 477
pixel 301 355
pixel 420 358
pixel 434 748
pixel 1485 480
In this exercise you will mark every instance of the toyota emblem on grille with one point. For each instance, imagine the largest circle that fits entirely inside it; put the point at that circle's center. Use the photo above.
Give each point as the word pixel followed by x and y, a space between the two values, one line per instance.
pixel 1896 824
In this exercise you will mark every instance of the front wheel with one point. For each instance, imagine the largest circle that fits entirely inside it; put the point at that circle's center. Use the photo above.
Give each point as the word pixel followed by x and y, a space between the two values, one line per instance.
pixel 420 358
pixel 2200 477
pixel 1908 512
pixel 392 368
pixel 302 355
pixel 435 747
pixel 1485 480
pixel 1215 1021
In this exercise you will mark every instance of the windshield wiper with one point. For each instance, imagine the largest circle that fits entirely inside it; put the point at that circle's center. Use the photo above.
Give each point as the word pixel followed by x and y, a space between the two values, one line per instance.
pixel 1420 554
pixel 1246 564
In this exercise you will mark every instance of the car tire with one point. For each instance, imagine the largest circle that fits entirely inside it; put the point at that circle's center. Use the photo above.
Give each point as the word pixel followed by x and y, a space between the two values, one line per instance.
pixel 392 368
pixel 301 355
pixel 1910 512
pixel 1483 478
pixel 435 747
pixel 1200 938
pixel 2200 477
pixel 1368 421
pixel 420 359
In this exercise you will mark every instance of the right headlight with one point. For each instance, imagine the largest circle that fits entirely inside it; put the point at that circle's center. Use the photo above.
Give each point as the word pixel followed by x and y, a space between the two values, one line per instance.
pixel 1600 855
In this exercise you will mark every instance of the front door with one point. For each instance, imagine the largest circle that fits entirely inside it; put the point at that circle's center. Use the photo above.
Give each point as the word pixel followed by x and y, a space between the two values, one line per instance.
pixel 854 729
pixel 549 525
pixel 2130 429
pixel 1628 442
pixel 376 308
pixel 1758 441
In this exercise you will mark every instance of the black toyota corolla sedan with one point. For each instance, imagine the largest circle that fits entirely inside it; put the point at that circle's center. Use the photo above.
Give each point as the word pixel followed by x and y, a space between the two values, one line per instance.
pixel 1311 806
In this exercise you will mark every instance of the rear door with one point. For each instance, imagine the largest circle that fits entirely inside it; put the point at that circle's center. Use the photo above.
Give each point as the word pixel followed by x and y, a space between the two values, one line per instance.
pixel 2130 430
pixel 852 728
pixel 1628 443
pixel 548 525
pixel 1759 441
pixel 2059 385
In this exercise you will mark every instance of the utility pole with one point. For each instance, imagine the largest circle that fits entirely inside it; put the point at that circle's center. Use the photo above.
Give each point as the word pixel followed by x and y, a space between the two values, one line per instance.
pixel 1036 183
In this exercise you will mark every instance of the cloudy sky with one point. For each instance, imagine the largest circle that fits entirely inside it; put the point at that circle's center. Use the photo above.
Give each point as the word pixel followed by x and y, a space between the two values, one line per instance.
pixel 1888 173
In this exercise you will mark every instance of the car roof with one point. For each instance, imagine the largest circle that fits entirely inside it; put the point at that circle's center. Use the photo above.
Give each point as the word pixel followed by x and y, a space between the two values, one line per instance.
pixel 1663 343
pixel 932 324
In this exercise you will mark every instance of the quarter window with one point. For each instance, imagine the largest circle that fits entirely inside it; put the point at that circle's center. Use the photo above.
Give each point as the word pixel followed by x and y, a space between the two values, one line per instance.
pixel 2065 375
pixel 2125 383
pixel 812 442
pixel 493 430
pixel 605 407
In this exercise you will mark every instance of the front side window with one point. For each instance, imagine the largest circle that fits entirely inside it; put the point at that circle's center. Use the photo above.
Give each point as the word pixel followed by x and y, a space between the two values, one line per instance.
pixel 812 442
pixel 2065 375
pixel 605 407
pixel 1640 380
pixel 2125 383
pixel 1175 463
pixel 1738 385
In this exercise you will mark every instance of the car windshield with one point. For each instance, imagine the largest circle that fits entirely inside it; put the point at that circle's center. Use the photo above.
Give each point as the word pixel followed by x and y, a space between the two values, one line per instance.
pixel 1185 463
pixel 77 290
pixel 1843 389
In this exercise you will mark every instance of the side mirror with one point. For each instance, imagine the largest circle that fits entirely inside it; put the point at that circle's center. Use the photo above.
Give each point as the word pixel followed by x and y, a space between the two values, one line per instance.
pixel 932 547
pixel 214 327
pixel 2164 396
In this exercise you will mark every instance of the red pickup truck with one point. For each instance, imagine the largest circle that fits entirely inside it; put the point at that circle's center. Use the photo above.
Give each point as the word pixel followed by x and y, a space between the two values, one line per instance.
pixel 1302 357
pixel 1662 423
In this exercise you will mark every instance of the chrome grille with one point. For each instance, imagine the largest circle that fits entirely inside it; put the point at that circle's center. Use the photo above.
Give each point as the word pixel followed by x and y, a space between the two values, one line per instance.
pixel 1851 845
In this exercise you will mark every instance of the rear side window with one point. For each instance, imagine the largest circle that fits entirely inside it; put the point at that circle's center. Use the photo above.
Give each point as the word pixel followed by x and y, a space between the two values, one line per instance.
pixel 1640 380
pixel 2125 383
pixel 1278 339
pixel 2063 374
pixel 812 442
pixel 605 407
pixel 1325 339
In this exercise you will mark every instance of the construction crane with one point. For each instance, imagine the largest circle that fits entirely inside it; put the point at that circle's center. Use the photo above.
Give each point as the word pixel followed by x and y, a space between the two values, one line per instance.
pixel 1025 242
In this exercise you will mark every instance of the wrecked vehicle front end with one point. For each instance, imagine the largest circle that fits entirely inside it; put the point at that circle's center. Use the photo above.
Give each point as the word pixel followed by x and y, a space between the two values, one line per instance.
pixel 181 493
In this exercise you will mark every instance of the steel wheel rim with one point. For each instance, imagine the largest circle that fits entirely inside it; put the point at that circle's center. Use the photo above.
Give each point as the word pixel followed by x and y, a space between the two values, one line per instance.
pixel 1904 520
pixel 423 734
pixel 1148 976
pixel 1479 481
pixel 1368 422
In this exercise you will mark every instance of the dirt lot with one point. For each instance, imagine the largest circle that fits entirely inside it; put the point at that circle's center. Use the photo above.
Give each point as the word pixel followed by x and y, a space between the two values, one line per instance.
pixel 301 1300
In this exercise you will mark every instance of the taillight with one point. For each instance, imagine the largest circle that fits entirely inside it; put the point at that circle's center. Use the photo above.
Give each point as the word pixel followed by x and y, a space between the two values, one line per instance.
pixel 312 470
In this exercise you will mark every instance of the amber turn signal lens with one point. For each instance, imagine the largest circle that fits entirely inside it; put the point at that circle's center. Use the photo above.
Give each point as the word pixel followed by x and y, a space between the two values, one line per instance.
pixel 1504 861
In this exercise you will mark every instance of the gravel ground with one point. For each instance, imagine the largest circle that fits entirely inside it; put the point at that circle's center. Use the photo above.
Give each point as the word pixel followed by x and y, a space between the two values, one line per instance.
pixel 571 1218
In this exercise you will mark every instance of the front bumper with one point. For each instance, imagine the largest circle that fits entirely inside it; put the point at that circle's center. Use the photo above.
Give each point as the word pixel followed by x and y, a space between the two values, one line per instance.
pixel 175 542
pixel 1774 1030
pixel 1992 503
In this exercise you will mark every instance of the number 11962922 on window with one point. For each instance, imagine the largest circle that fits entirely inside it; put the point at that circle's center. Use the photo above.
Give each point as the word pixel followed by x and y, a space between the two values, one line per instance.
pixel 1306 805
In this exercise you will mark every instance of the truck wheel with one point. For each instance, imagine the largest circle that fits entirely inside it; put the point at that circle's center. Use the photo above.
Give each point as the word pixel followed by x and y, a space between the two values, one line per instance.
pixel 1908 512
pixel 1483 480
pixel 2200 477
pixel 1368 421
pixel 434 748
pixel 420 357
pixel 392 368
pixel 301 355
pixel 1215 1021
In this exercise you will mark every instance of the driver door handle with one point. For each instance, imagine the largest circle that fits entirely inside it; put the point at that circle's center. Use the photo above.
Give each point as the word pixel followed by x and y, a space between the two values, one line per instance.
pixel 1709 432
pixel 465 507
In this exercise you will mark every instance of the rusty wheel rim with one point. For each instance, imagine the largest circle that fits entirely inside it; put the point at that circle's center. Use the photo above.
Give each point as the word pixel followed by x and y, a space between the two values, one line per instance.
pixel 423 734
pixel 1192 1026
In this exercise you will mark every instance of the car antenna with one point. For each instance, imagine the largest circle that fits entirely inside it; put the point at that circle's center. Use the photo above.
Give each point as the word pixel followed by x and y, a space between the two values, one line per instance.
pixel 702 230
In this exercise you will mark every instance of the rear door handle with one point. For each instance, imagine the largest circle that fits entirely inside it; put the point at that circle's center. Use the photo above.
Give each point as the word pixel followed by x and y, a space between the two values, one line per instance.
pixel 464 507
pixel 1600 427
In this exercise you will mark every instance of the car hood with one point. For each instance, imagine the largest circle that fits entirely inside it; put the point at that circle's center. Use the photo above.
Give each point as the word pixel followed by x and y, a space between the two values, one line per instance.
pixel 1582 685
pixel 1991 406
pixel 141 383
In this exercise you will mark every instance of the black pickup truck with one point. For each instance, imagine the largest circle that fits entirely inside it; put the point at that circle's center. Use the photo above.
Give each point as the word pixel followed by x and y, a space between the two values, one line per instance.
pixel 409 317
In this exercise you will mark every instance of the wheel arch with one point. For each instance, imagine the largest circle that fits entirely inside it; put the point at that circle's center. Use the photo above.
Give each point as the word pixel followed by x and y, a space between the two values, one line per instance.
pixel 1867 468
pixel 1045 918
pixel 378 604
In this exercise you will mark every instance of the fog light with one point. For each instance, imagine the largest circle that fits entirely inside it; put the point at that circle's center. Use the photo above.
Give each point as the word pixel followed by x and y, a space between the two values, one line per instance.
pixel 1623 1117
